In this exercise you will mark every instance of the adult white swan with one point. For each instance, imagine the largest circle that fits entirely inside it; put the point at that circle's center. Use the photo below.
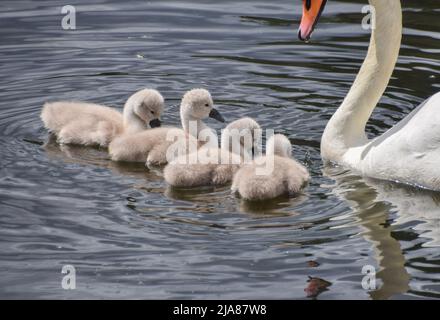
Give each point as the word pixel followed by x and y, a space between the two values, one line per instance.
pixel 410 151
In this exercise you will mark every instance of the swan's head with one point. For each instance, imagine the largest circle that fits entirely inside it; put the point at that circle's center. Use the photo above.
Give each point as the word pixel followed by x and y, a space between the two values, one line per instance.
pixel 279 145
pixel 147 105
pixel 197 104
pixel 312 10
pixel 241 137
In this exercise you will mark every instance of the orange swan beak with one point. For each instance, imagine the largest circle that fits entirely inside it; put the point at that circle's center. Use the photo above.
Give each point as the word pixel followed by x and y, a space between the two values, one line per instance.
pixel 312 10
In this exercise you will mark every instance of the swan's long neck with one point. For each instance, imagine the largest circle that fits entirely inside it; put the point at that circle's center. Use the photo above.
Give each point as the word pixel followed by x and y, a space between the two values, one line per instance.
pixel 346 129
pixel 132 122
pixel 190 124
pixel 233 140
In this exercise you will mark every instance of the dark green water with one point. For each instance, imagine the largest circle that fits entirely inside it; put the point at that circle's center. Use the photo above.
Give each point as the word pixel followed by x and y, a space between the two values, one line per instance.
pixel 127 234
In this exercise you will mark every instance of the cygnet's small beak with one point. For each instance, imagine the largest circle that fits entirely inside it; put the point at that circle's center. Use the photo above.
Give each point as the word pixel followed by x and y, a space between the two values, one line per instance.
pixel 216 115
pixel 155 123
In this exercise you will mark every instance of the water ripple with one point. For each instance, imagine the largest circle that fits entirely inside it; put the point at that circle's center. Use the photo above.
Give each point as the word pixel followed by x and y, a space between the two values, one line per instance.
pixel 131 236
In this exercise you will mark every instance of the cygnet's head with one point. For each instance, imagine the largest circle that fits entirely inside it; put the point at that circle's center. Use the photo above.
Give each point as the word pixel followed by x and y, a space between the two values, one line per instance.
pixel 148 105
pixel 197 104
pixel 241 136
pixel 279 145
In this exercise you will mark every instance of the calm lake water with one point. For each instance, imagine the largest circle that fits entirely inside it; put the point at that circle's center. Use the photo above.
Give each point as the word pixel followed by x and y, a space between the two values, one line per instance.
pixel 127 233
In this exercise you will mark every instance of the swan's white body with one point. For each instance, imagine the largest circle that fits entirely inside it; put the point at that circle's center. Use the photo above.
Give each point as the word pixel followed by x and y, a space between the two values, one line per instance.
pixel 88 124
pixel 215 166
pixel 410 151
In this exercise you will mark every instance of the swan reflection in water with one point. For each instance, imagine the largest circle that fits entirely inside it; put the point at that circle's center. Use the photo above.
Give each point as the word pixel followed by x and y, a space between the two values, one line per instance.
pixel 81 155
pixel 381 206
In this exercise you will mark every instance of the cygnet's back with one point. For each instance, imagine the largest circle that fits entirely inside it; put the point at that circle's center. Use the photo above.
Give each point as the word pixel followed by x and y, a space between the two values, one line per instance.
pixel 92 124
pixel 214 166
pixel 272 175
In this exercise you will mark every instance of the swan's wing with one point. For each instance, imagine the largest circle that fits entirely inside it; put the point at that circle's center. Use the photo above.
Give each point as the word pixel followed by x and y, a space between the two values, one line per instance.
pixel 410 151
pixel 421 132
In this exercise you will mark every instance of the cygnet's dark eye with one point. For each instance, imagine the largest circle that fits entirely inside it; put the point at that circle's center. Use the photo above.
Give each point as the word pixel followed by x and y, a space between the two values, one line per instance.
pixel 207 105
pixel 152 112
